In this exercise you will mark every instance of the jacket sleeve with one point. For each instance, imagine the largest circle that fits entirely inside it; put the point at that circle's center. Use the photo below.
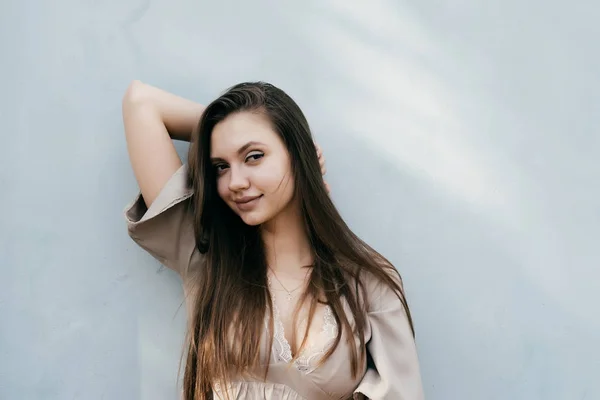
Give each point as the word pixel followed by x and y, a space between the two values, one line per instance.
pixel 165 230
pixel 392 348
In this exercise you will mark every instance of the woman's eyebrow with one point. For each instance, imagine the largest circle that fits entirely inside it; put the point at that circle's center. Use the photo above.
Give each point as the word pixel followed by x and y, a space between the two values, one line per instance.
pixel 240 150
pixel 245 147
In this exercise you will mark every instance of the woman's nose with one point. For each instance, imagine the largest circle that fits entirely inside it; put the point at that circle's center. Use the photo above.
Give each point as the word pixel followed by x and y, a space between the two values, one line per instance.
pixel 238 180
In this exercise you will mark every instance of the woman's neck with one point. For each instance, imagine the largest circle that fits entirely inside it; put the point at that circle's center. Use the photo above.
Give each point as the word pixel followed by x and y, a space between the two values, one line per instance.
pixel 286 243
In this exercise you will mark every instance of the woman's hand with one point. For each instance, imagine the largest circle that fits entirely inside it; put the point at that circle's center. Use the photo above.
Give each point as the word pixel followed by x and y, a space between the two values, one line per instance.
pixel 322 164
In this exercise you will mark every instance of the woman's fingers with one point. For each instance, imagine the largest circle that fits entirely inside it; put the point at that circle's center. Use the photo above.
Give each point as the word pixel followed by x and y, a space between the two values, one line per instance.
pixel 321 159
pixel 322 165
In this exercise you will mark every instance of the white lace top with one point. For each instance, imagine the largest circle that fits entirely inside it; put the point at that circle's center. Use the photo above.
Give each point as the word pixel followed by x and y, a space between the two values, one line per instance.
pixel 165 230
pixel 314 351
pixel 317 346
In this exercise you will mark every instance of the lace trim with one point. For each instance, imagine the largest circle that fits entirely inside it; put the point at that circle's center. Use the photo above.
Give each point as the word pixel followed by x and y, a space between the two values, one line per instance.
pixel 328 334
pixel 283 350
pixel 218 389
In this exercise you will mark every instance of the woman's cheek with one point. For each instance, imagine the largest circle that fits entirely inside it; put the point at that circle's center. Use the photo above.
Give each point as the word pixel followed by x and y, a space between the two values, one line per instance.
pixel 271 178
pixel 222 189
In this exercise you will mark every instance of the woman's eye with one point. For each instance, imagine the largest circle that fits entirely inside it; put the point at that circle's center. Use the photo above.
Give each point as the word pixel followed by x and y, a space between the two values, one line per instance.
pixel 254 156
pixel 219 168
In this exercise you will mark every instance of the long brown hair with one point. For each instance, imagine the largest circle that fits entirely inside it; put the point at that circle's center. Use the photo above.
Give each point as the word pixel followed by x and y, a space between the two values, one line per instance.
pixel 231 296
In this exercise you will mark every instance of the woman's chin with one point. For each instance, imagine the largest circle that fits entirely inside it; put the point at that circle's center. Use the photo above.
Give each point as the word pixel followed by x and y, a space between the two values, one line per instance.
pixel 252 219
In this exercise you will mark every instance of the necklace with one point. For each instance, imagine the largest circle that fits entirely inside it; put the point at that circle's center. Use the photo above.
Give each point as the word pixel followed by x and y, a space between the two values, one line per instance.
pixel 289 292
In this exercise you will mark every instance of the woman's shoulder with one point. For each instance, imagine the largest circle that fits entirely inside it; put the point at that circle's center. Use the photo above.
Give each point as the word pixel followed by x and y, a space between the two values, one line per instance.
pixel 377 290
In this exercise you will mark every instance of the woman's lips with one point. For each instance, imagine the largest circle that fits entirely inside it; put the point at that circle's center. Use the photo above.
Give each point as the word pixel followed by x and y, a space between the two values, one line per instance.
pixel 247 203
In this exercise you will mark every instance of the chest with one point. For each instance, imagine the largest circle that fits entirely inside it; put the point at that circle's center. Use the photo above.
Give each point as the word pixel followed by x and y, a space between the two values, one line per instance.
pixel 301 367
pixel 301 340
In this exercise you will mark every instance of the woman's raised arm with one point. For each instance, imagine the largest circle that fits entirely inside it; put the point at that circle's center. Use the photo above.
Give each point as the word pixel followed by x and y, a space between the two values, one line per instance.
pixel 152 117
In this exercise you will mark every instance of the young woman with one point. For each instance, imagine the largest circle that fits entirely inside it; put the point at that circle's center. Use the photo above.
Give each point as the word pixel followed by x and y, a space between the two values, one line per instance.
pixel 283 300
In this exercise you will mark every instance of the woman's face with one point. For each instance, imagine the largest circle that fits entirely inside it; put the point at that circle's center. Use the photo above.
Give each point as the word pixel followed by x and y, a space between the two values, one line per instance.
pixel 253 167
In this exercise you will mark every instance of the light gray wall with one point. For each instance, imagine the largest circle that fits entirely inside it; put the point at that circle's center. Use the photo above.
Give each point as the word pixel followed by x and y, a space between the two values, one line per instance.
pixel 462 142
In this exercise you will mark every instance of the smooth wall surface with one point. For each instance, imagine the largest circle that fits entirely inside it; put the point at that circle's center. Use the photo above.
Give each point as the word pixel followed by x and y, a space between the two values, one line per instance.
pixel 462 142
